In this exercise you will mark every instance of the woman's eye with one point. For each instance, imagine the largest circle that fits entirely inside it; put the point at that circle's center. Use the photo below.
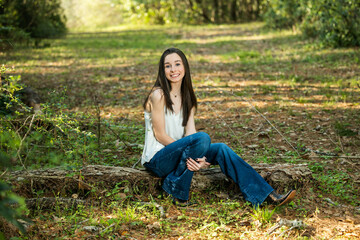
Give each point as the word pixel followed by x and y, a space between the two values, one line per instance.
pixel 178 64
pixel 167 66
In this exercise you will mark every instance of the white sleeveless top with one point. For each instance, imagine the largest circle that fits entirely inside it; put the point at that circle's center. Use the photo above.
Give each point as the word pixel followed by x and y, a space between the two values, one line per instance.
pixel 173 128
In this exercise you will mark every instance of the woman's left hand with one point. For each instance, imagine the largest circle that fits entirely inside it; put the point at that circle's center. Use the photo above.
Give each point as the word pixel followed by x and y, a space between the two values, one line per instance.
pixel 200 163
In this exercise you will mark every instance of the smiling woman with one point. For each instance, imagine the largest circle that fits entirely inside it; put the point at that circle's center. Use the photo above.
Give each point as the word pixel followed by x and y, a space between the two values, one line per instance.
pixel 174 150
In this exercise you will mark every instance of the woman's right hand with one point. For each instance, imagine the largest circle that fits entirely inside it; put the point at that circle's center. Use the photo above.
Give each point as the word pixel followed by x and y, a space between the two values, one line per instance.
pixel 200 163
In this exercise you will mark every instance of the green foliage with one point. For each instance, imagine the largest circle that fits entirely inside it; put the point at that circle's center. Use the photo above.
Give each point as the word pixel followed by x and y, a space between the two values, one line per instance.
pixel 342 129
pixel 335 182
pixel 263 215
pixel 10 34
pixel 37 18
pixel 7 198
pixel 9 99
pixel 160 12
pixel 7 211
pixel 283 13
pixel 335 23
pixel 57 137
pixel 338 184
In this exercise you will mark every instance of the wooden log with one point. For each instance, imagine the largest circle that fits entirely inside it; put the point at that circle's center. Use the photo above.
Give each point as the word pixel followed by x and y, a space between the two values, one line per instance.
pixel 52 202
pixel 97 177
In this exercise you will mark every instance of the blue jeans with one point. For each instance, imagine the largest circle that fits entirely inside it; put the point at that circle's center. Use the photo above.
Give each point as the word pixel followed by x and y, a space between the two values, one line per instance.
pixel 170 164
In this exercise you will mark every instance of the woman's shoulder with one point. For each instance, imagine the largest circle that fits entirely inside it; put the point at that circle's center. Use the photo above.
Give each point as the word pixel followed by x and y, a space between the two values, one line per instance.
pixel 157 95
pixel 156 98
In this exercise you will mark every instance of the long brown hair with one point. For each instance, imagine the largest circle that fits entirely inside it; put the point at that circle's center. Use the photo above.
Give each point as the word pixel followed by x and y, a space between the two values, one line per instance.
pixel 188 98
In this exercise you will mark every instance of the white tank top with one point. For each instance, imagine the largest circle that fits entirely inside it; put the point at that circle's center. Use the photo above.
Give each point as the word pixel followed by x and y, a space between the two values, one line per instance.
pixel 173 128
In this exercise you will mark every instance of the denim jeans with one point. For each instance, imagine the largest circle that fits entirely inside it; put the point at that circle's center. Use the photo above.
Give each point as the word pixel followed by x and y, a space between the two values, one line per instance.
pixel 170 164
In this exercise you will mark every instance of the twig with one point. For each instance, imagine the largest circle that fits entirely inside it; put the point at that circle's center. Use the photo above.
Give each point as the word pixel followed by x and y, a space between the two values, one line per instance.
pixel 161 209
pixel 98 122
pixel 342 149
pixel 287 230
pixel 253 107
pixel 41 146
pixel 136 163
pixel 107 228
pixel 117 135
pixel 22 125
pixel 234 134
pixel 83 221
pixel 15 128
pixel 289 223
pixel 3 173
pixel 22 140
pixel 341 145
pixel 354 157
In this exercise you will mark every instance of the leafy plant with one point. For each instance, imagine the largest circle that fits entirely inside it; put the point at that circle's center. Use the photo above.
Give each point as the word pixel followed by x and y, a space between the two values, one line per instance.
pixel 7 201
pixel 334 22
pixel 263 215
pixel 283 13
pixel 342 129
pixel 339 184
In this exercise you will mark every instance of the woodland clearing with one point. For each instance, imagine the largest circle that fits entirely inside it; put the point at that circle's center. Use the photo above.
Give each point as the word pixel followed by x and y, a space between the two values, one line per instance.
pixel 92 86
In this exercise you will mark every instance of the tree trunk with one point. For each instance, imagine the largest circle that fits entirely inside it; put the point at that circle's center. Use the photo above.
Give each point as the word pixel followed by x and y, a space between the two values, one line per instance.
pixel 204 10
pixel 234 11
pixel 96 178
pixel 216 11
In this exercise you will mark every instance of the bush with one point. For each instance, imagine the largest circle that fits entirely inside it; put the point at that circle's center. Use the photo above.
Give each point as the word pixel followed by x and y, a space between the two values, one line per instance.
pixel 335 22
pixel 9 213
pixel 283 13
pixel 37 19
pixel 12 207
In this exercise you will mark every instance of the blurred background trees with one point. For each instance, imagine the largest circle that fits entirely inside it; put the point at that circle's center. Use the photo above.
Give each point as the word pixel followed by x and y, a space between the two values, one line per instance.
pixel 335 22
pixel 22 20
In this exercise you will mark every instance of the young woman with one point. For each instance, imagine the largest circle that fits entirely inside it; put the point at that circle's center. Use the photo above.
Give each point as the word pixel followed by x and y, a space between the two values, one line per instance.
pixel 174 150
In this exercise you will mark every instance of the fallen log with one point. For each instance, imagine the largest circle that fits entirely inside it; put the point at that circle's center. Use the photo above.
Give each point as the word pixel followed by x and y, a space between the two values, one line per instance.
pixel 96 178
pixel 52 202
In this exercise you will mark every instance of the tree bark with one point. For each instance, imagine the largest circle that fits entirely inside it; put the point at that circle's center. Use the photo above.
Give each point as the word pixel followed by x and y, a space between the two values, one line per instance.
pixel 234 11
pixel 96 178
pixel 204 11
pixel 216 11
pixel 52 202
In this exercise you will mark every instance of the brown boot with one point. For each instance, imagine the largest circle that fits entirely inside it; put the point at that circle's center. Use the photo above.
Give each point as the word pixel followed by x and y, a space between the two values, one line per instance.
pixel 278 199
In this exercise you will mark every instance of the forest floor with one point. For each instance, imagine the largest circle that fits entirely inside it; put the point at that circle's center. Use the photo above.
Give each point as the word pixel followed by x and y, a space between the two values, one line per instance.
pixel 92 86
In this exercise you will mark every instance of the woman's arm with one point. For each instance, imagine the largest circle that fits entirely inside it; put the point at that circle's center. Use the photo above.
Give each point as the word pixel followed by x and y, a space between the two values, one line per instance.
pixel 190 126
pixel 157 103
pixel 199 163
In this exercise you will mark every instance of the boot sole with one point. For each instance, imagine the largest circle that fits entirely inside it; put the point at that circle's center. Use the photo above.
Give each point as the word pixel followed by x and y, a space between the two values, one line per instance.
pixel 289 198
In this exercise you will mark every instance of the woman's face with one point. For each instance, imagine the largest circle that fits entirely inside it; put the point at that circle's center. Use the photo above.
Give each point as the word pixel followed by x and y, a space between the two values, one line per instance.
pixel 174 68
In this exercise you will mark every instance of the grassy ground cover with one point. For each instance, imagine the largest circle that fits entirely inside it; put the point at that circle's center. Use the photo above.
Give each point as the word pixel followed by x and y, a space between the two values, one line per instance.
pixel 92 86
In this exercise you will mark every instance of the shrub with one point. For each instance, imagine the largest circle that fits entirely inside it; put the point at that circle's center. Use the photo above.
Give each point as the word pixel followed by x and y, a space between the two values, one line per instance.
pixel 36 18
pixel 335 22
pixel 283 13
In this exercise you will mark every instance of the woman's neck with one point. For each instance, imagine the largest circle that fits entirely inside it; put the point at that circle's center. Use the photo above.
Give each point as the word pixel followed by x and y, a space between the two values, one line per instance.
pixel 176 89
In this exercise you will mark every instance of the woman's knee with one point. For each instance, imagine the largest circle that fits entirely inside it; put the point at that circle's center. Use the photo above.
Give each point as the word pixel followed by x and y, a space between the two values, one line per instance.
pixel 220 146
pixel 203 137
pixel 202 140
